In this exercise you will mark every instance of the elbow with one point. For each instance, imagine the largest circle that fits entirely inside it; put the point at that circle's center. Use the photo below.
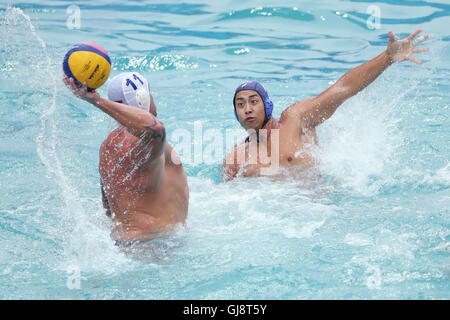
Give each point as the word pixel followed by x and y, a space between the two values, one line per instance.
pixel 153 139
pixel 154 132
pixel 342 89
pixel 346 90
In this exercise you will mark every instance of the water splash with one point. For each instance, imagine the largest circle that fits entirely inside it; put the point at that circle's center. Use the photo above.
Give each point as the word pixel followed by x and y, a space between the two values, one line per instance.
pixel 362 143
pixel 82 240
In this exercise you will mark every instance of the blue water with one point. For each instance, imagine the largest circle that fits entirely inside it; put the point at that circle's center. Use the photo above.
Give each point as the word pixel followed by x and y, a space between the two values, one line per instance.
pixel 371 222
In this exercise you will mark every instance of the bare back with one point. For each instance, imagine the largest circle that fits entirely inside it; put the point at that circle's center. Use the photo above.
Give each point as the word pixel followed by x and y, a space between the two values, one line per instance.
pixel 142 200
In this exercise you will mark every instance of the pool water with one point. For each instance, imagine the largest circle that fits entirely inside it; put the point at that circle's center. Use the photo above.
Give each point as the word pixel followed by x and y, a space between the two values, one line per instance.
pixel 370 222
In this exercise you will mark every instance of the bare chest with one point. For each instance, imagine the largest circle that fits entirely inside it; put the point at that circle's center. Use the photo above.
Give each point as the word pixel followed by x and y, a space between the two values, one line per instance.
pixel 265 156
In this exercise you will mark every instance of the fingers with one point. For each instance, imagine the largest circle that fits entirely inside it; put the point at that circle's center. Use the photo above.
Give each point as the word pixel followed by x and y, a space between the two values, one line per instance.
pixel 391 36
pixel 412 35
pixel 415 60
pixel 76 89
pixel 421 39
pixel 420 50
pixel 66 81
pixel 70 83
pixel 81 90
pixel 73 85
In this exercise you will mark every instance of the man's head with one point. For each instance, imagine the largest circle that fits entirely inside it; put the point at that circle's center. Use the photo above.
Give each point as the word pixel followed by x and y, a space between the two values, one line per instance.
pixel 131 88
pixel 252 106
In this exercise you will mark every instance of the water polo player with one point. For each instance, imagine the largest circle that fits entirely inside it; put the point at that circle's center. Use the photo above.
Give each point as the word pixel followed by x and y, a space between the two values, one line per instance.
pixel 284 141
pixel 144 191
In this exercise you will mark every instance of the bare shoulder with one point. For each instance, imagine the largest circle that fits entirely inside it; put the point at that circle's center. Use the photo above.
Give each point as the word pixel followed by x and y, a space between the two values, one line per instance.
pixel 114 139
pixel 295 110
pixel 292 118
pixel 114 136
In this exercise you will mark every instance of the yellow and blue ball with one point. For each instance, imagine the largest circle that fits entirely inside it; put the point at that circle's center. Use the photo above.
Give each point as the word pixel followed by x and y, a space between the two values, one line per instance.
pixel 87 61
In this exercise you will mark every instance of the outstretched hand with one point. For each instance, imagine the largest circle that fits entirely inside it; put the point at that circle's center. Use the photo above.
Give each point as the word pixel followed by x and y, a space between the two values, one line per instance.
pixel 400 50
pixel 81 92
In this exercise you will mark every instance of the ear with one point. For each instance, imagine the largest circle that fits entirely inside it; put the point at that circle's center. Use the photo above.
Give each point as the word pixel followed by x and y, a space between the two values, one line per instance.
pixel 152 106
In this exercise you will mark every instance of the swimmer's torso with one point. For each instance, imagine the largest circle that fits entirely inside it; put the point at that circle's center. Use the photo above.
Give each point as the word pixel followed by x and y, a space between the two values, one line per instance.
pixel 283 145
pixel 139 208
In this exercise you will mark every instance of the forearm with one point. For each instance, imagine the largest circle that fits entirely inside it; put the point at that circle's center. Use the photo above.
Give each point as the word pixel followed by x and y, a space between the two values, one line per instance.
pixel 139 122
pixel 314 111
pixel 361 76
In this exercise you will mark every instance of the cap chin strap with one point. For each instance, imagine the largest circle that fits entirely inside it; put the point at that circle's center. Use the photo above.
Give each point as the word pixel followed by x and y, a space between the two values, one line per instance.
pixel 265 122
pixel 257 132
pixel 143 99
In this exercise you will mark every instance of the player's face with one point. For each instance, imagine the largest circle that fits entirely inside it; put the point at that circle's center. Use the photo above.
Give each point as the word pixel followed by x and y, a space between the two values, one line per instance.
pixel 250 109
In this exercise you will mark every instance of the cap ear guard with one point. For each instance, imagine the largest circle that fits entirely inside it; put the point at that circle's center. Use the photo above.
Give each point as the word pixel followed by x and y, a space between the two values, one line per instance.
pixel 268 104
pixel 143 99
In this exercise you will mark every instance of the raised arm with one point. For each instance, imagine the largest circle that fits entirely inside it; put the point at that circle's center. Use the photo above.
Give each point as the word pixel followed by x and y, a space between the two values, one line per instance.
pixel 313 111
pixel 140 123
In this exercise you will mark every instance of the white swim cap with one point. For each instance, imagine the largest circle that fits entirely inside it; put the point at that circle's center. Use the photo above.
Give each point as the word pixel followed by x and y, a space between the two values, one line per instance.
pixel 130 88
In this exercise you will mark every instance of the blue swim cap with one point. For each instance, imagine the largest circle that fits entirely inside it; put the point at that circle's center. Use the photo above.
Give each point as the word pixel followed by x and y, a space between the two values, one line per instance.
pixel 256 86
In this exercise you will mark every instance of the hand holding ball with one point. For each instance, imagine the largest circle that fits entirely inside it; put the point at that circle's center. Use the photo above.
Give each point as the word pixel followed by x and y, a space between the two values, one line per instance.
pixel 87 62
